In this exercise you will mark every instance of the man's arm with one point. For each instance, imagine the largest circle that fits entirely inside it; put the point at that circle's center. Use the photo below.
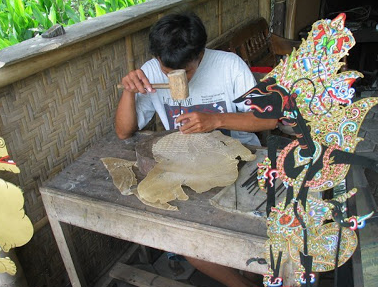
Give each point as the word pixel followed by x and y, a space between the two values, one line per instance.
pixel 197 122
pixel 126 122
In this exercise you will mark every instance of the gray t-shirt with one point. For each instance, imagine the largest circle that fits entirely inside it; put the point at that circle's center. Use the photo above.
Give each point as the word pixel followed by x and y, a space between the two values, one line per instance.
pixel 220 78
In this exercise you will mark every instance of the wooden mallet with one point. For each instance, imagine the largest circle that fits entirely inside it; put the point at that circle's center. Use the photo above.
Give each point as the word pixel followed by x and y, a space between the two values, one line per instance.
pixel 177 84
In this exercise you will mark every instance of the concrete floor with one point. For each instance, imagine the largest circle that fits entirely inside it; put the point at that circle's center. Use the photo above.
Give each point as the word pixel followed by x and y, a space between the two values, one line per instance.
pixel 179 271
pixel 193 277
pixel 158 263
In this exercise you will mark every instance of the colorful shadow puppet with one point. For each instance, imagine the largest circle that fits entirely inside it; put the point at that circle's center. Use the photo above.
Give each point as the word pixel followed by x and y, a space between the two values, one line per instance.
pixel 16 228
pixel 308 92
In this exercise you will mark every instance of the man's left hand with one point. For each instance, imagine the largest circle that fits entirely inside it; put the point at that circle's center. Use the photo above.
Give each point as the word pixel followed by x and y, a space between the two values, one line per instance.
pixel 197 122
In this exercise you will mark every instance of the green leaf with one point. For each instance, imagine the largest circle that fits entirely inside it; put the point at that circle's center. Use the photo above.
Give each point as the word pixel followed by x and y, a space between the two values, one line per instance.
pixel 4 20
pixel 13 40
pixel 19 7
pixel 4 43
pixel 130 3
pixel 99 10
pixel 71 14
pixel 114 5
pixel 27 34
pixel 52 15
pixel 91 13
pixel 48 4
pixel 10 23
pixel 28 10
pixel 59 4
pixel 2 34
pixel 122 4
pixel 10 7
pixel 81 13
pixel 41 19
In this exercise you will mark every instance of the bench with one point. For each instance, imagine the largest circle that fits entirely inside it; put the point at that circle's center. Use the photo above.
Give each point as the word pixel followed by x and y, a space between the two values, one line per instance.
pixel 252 42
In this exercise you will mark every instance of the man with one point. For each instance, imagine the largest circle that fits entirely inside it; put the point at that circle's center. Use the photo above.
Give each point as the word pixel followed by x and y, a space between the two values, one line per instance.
pixel 216 78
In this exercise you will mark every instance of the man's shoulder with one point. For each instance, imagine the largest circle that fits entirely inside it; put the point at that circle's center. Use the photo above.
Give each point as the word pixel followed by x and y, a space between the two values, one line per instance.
pixel 224 59
pixel 222 54
pixel 152 70
pixel 151 64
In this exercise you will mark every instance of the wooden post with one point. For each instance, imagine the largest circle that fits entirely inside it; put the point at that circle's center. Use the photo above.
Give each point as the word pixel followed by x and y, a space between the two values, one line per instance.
pixel 264 9
pixel 291 10
pixel 279 18
pixel 220 17
pixel 65 245
pixel 130 64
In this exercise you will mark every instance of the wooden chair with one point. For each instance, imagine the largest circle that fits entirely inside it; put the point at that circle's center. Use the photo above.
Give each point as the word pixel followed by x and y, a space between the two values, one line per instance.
pixel 251 42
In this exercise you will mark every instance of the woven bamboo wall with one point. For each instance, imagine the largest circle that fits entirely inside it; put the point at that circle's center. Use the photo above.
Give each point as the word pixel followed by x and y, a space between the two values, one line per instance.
pixel 50 118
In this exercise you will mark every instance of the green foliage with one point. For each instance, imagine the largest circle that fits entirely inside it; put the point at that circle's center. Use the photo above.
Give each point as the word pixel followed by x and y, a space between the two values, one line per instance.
pixel 23 19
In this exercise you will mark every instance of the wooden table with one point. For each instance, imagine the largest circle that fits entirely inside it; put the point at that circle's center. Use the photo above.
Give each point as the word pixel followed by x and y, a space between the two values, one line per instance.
pixel 84 195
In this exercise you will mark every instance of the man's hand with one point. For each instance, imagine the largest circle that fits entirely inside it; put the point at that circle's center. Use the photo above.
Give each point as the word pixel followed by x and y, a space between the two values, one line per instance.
pixel 197 122
pixel 137 82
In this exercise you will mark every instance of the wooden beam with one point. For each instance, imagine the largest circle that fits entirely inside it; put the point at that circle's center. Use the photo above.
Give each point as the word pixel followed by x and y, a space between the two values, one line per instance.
pixel 142 278
pixel 264 9
pixel 39 224
pixel 279 17
pixel 65 245
pixel 70 209
pixel 21 70
pixel 220 17
pixel 228 34
pixel 291 10
pixel 130 253
pixel 130 63
pixel 83 31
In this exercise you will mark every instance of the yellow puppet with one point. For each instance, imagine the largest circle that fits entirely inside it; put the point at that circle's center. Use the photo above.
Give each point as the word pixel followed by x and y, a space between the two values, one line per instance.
pixel 5 161
pixel 16 228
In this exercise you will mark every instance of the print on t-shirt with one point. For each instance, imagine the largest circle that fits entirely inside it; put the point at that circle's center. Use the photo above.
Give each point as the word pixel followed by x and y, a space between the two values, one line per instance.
pixel 173 111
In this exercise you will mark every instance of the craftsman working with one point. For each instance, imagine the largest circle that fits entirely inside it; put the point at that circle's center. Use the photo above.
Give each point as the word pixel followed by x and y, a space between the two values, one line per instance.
pixel 215 79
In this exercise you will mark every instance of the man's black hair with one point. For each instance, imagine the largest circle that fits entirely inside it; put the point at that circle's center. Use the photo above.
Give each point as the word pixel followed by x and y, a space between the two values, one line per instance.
pixel 177 39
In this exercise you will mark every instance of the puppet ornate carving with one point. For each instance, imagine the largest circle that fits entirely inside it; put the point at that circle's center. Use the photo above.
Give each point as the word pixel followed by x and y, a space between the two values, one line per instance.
pixel 307 91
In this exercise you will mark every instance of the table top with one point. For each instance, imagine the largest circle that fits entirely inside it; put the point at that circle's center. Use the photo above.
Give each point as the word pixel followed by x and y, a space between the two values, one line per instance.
pixel 83 194
pixel 88 177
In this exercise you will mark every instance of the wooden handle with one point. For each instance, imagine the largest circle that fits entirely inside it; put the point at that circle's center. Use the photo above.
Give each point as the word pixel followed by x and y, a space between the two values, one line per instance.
pixel 154 86
pixel 160 86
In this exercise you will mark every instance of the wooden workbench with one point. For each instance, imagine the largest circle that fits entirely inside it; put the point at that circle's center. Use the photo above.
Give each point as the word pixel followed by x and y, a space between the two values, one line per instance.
pixel 84 195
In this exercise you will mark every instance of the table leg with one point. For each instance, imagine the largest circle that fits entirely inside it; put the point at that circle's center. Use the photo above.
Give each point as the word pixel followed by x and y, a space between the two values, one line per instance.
pixel 65 245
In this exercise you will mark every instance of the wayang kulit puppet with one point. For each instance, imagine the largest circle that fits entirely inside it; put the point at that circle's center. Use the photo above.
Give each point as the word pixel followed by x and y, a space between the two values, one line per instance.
pixel 16 228
pixel 308 92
